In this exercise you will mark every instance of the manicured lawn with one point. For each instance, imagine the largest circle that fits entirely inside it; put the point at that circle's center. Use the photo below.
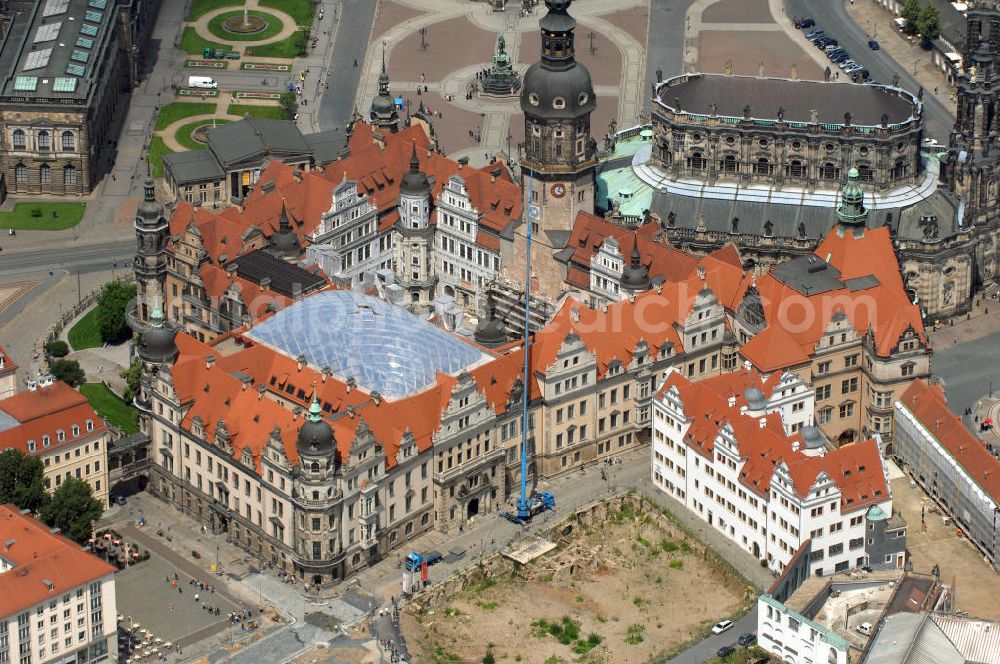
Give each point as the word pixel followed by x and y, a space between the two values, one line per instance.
pixel 274 26
pixel 111 407
pixel 286 48
pixel 191 42
pixel 157 149
pixel 301 10
pixel 272 112
pixel 202 7
pixel 179 110
pixel 85 334
pixel 185 138
pixel 20 218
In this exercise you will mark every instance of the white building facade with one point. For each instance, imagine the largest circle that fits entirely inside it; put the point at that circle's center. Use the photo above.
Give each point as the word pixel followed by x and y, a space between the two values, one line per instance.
pixel 795 638
pixel 766 484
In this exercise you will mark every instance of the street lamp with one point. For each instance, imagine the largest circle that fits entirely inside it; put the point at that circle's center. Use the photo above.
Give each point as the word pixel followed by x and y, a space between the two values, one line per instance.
pixel 591 36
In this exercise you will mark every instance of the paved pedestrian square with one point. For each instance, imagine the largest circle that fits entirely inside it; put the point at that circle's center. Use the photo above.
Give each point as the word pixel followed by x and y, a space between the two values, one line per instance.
pixel 144 595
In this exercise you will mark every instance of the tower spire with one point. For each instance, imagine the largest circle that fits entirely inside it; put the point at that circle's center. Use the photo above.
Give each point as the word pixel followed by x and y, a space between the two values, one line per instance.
pixel 852 211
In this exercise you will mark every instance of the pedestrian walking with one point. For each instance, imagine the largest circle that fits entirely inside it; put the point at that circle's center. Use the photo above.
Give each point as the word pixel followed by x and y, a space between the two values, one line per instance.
pixel 196 597
pixel 355 63
pixel 171 606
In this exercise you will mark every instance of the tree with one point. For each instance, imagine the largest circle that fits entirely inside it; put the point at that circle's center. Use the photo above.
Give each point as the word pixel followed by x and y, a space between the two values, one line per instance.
pixel 301 42
pixel 911 12
pixel 488 658
pixel 73 510
pixel 68 371
pixel 112 305
pixel 56 348
pixel 22 480
pixel 132 375
pixel 929 22
pixel 288 105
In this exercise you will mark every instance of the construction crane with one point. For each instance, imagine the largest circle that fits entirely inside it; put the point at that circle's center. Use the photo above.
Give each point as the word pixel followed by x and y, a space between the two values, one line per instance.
pixel 534 503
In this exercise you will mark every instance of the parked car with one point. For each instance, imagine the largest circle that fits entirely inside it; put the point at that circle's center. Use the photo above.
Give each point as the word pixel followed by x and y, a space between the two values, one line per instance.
pixel 118 500
pixel 815 33
pixel 804 23
pixel 851 69
pixel 747 639
pixel 726 651
pixel 873 45
pixel 865 628
pixel 829 42
pixel 838 56
pixel 721 627
pixel 832 46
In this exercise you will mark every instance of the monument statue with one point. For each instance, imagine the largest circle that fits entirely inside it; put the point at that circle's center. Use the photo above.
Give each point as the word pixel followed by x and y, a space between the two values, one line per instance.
pixel 501 80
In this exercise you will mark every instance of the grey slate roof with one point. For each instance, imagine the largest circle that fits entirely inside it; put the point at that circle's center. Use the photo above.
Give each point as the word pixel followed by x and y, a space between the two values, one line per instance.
pixel 866 103
pixel 193 166
pixel 912 638
pixel 808 275
pixel 239 141
pixel 286 278
pixel 325 145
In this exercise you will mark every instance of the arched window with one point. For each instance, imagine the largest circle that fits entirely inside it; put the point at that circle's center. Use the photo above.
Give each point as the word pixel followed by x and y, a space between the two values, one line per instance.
pixel 795 169
pixel 762 166
pixel 90 425
pixel 865 173
pixel 68 141
pixel 729 164
pixel 69 175
pixel 19 143
pixel 45 174
pixel 31 446
pixel 21 174
pixel 315 467
pixel 76 430
pixel 829 171
pixel 899 169
pixel 44 141
pixel 60 435
pixel 696 161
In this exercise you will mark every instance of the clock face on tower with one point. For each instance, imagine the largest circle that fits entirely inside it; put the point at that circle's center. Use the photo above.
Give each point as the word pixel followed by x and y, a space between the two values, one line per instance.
pixel 558 190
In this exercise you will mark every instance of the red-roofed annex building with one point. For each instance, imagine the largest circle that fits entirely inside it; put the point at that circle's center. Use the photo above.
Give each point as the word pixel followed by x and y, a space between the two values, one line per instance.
pixel 57 600
pixel 54 422
pixel 728 456
pixel 953 466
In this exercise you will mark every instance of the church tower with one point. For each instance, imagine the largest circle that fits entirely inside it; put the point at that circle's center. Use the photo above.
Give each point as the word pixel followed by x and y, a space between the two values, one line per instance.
pixel 384 113
pixel 150 263
pixel 559 156
pixel 972 169
pixel 414 235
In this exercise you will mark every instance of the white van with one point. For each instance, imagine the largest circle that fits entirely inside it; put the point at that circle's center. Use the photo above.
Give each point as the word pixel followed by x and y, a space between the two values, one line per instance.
pixel 865 628
pixel 202 82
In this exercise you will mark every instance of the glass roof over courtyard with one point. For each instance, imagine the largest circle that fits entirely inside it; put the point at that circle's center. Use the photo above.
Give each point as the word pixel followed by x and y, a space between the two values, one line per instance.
pixel 384 348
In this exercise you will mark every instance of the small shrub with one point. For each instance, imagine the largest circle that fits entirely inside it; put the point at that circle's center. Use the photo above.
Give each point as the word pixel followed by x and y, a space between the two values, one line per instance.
pixel 451 611
pixel 676 564
pixel 579 599
pixel 36 212
pixel 668 545
pixel 635 635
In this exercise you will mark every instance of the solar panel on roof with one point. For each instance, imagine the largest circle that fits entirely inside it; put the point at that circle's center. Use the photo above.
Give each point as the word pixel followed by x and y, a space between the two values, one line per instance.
pixel 37 59
pixel 92 16
pixel 26 83
pixel 76 70
pixel 47 32
pixel 83 42
pixel 89 30
pixel 80 56
pixel 54 7
pixel 98 4
pixel 64 84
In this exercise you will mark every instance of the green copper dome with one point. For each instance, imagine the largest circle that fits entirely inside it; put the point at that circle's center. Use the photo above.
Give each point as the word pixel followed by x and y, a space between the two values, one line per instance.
pixel 852 209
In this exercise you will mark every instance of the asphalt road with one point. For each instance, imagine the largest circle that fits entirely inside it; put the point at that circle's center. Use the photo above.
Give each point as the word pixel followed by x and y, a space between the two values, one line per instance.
pixel 831 16
pixel 706 649
pixel 666 49
pixel 350 44
pixel 967 370
pixel 83 257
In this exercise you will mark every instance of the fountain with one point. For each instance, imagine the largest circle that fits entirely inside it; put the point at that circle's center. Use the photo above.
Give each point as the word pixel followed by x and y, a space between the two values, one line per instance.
pixel 502 80
pixel 245 24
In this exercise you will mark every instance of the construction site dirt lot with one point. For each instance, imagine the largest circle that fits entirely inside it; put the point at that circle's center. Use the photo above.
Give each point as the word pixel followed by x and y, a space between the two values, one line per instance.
pixel 624 588
pixel 935 542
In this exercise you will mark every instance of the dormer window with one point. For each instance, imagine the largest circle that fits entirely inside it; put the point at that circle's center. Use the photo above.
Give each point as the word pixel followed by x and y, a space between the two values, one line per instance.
pixel 60 435
pixel 90 425
pixel 533 99
pixel 76 430
pixel 46 441
pixel 558 102
pixel 31 446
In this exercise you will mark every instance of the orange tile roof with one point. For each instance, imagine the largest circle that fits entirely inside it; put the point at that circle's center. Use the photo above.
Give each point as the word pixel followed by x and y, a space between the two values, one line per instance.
pixel 856 468
pixel 773 349
pixel 30 405
pixel 928 405
pixel 39 558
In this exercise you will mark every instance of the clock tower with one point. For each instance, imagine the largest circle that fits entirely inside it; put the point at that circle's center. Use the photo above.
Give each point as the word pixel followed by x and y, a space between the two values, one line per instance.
pixel 558 157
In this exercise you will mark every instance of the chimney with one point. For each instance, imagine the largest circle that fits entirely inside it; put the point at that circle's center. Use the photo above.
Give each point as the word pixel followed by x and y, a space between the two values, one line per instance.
pixel 575 314
pixel 260 392
pixel 493 178
pixel 296 411
pixel 732 402
pixel 325 371
pixel 265 283
pixel 247 381
pixel 701 272
pixel 209 361
pixel 297 174
pixel 795 446
pixel 763 422
pixel 351 383
pixel 659 288
pixel 300 362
